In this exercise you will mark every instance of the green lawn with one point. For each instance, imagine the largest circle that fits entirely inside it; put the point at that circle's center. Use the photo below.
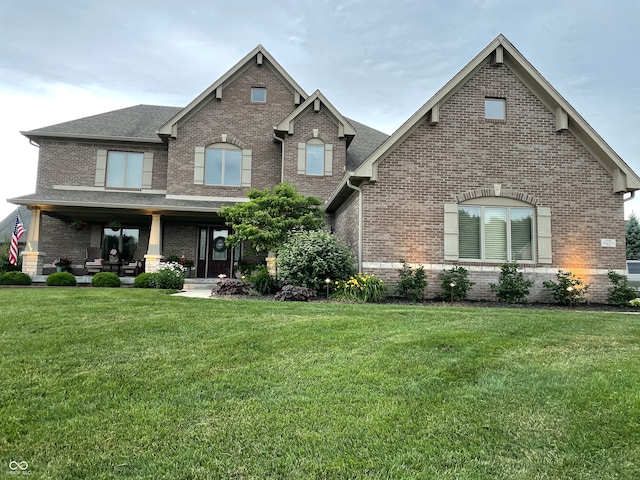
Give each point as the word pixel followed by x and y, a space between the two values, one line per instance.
pixel 124 383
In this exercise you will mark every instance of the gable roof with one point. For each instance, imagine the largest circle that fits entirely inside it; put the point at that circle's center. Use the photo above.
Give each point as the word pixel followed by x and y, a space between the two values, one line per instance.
pixel 345 129
pixel 138 123
pixel 501 50
pixel 259 55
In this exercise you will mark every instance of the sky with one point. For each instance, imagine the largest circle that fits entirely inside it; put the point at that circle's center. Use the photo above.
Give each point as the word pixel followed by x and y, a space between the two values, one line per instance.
pixel 376 61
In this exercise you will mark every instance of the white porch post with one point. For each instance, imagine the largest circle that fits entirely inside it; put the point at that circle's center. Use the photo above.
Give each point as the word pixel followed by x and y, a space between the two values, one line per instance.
pixel 32 259
pixel 153 256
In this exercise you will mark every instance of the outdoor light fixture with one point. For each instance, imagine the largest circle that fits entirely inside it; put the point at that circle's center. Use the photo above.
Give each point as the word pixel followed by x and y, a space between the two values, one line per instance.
pixel 327 281
pixel 452 285
pixel 570 292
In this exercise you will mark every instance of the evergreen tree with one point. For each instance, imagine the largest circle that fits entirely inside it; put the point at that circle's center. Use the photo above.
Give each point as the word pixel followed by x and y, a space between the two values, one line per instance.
pixel 633 238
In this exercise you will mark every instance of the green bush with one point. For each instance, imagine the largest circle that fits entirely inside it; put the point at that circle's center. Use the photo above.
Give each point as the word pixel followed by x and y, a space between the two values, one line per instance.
pixel 15 278
pixel 621 293
pixel 169 276
pixel 568 288
pixel 455 283
pixel 61 279
pixel 412 282
pixel 512 287
pixel 263 282
pixel 105 279
pixel 360 288
pixel 309 257
pixel 142 281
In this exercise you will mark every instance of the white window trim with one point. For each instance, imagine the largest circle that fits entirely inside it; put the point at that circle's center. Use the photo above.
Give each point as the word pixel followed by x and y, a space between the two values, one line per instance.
pixel 327 170
pixel 147 159
pixel 256 89
pixel 502 101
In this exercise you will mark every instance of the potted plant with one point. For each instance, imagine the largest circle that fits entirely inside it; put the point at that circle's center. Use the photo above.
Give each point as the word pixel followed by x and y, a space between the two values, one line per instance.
pixel 187 264
pixel 78 224
pixel 115 225
pixel 63 264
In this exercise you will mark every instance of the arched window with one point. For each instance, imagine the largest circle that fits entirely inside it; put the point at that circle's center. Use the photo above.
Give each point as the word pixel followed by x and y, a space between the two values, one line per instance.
pixel 223 165
pixel 315 158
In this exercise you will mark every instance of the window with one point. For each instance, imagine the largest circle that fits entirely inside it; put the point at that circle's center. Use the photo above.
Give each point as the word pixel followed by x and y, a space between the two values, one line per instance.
pixel 495 233
pixel 495 108
pixel 223 166
pixel 125 241
pixel 124 169
pixel 315 158
pixel 258 95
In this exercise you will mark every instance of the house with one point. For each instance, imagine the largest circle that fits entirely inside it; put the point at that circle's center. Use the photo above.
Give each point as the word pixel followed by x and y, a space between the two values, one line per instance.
pixel 495 166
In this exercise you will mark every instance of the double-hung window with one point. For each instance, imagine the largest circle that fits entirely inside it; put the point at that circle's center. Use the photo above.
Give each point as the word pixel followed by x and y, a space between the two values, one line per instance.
pixel 124 169
pixel 495 233
pixel 223 166
pixel 315 157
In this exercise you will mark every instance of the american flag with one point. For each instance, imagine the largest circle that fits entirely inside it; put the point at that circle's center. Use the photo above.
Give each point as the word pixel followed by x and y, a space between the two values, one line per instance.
pixel 18 231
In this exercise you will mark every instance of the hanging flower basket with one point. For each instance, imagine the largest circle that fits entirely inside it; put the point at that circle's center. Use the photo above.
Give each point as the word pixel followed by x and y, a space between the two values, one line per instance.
pixel 115 225
pixel 79 224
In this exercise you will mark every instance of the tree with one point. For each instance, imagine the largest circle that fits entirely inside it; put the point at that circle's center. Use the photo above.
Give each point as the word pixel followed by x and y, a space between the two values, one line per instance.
pixel 269 216
pixel 633 238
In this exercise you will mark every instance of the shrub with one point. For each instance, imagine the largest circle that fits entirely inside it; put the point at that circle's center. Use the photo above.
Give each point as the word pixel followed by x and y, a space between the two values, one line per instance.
pixel 512 287
pixel 169 276
pixel 360 288
pixel 308 258
pixel 567 289
pixel 15 278
pixel 230 286
pixel 142 281
pixel 412 282
pixel 295 293
pixel 621 293
pixel 455 283
pixel 263 282
pixel 61 279
pixel 635 302
pixel 105 279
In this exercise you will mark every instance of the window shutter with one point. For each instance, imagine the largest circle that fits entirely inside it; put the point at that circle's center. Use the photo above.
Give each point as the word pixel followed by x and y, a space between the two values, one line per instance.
pixel 450 231
pixel 246 168
pixel 544 235
pixel 198 170
pixel 101 168
pixel 328 159
pixel 302 158
pixel 147 169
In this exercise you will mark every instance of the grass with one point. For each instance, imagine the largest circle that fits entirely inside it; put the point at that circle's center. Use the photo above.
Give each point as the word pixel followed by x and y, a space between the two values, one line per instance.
pixel 97 383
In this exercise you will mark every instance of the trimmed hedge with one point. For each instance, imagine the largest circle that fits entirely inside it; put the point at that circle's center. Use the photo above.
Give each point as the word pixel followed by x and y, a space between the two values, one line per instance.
pixel 61 279
pixel 105 279
pixel 142 281
pixel 15 278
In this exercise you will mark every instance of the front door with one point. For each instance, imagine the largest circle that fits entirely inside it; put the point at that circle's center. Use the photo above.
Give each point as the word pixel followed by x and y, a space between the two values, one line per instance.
pixel 214 258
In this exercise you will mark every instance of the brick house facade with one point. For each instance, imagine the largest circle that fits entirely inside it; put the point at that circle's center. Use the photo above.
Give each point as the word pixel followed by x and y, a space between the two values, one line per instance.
pixel 496 166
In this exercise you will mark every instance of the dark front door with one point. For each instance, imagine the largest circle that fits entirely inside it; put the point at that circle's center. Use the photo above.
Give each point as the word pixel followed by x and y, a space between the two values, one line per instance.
pixel 214 258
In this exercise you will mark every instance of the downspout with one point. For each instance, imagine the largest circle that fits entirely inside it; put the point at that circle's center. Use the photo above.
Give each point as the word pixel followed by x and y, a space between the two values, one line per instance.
pixel 275 137
pixel 633 194
pixel 360 221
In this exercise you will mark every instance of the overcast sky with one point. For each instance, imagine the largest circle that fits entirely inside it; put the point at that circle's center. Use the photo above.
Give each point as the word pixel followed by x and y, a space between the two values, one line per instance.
pixel 376 61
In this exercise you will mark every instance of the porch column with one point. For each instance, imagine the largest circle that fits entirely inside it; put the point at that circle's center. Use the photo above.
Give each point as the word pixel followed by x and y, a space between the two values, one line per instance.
pixel 32 259
pixel 153 256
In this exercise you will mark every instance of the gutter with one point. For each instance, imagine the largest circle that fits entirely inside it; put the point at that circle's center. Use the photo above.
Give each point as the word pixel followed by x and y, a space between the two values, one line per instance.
pixel 360 221
pixel 633 194
pixel 275 137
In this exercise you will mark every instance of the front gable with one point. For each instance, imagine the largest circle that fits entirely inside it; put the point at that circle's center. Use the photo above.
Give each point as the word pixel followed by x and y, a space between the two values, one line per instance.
pixel 501 53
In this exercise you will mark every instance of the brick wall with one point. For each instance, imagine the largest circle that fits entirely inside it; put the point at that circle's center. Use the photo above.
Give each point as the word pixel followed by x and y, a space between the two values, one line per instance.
pixel 345 223
pixel 404 209
pixel 314 185
pixel 179 238
pixel 247 125
pixel 74 163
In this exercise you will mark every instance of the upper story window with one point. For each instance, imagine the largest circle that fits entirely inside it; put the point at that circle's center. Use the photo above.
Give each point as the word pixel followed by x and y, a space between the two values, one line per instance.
pixel 314 157
pixel 258 95
pixel 223 165
pixel 495 108
pixel 124 169
pixel 495 233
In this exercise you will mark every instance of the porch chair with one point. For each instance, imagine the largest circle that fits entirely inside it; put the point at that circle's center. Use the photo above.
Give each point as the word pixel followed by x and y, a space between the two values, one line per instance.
pixel 136 264
pixel 93 260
